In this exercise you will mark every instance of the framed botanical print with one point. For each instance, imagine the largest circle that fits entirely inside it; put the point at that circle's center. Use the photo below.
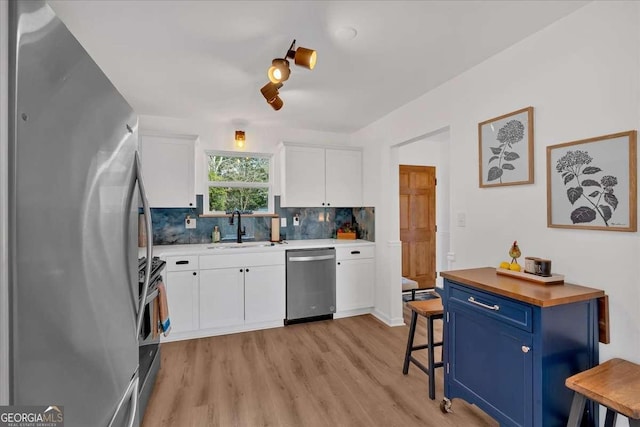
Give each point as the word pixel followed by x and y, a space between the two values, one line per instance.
pixel 505 146
pixel 591 183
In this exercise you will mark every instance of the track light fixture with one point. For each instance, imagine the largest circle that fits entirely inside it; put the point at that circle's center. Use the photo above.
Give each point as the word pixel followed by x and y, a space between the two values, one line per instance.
pixel 270 93
pixel 279 72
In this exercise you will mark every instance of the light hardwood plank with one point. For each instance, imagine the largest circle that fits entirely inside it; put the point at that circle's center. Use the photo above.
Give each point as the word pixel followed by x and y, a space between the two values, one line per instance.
pixel 343 372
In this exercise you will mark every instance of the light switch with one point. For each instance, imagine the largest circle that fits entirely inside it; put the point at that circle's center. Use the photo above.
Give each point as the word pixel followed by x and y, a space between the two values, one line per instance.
pixel 461 219
pixel 283 222
pixel 189 222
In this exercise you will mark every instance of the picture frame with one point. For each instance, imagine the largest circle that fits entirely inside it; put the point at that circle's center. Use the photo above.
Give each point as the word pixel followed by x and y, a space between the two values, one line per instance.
pixel 505 149
pixel 591 183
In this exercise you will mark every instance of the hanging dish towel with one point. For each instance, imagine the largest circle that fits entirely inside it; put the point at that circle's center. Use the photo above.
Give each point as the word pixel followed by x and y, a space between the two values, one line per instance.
pixel 165 321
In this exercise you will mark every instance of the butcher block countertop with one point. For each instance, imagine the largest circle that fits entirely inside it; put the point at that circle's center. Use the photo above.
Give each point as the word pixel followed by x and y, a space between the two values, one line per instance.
pixel 538 294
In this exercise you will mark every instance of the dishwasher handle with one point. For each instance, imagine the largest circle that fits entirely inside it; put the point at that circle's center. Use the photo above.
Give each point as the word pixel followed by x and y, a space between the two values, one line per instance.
pixel 311 258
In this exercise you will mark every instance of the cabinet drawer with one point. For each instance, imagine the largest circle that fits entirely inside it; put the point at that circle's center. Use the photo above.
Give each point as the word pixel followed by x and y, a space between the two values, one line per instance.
pixel 502 309
pixel 182 263
pixel 356 252
pixel 241 260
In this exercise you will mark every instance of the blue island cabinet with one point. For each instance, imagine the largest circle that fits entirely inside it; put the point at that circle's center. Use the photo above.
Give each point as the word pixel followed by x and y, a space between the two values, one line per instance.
pixel 509 345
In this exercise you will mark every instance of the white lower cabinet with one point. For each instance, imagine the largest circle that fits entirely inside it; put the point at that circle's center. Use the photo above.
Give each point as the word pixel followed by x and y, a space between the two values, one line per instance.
pixel 181 282
pixel 245 294
pixel 221 297
pixel 181 294
pixel 225 293
pixel 355 278
pixel 264 294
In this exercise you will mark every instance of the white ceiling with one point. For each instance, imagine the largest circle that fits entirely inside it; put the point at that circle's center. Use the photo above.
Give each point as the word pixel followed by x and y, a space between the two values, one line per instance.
pixel 207 60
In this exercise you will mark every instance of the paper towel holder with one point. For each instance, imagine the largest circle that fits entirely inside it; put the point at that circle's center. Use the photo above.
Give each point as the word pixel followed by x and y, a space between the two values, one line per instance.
pixel 275 229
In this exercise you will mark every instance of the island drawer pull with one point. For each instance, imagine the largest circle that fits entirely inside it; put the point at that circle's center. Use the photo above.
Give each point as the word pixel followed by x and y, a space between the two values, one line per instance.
pixel 493 307
pixel 355 252
pixel 182 262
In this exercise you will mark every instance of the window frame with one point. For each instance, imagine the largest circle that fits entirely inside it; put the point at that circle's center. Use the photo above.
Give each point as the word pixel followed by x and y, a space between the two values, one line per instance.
pixel 238 184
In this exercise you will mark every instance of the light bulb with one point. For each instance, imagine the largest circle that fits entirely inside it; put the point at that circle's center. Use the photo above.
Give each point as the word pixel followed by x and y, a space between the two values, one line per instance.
pixel 279 70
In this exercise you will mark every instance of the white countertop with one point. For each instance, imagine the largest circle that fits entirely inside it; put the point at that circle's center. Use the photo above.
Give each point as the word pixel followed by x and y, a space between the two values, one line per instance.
pixel 249 247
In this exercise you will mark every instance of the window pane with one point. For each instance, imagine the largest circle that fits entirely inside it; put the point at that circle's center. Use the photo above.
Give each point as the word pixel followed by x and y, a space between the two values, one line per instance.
pixel 238 169
pixel 243 199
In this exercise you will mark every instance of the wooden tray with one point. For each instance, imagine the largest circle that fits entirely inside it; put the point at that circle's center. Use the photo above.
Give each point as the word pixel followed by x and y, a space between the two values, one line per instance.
pixel 554 279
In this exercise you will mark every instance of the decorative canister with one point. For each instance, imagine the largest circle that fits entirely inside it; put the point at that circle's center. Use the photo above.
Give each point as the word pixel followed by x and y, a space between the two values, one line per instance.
pixel 530 264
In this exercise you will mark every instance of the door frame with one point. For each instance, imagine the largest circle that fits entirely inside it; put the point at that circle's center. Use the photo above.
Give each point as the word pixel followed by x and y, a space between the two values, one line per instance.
pixel 443 236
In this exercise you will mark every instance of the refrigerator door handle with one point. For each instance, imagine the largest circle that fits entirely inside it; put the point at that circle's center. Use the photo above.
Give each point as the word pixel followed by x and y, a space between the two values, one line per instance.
pixel 131 393
pixel 147 221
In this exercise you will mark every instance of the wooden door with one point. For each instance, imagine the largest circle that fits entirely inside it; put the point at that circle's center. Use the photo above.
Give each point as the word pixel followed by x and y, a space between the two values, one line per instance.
pixel 418 223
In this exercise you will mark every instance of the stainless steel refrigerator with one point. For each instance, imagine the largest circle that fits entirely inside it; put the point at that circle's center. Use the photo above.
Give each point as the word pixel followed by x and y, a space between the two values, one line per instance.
pixel 73 194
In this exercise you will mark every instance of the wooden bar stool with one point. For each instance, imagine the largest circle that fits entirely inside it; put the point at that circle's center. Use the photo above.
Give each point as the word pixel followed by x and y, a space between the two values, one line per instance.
pixel 614 384
pixel 431 309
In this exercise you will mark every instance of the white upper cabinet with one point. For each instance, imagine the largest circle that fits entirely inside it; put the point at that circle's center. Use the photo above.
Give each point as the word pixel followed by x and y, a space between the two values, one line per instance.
pixel 343 178
pixel 320 176
pixel 168 170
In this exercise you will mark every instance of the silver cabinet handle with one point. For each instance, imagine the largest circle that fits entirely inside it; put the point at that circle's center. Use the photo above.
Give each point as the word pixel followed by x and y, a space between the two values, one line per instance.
pixel 311 258
pixel 147 218
pixel 493 307
pixel 525 349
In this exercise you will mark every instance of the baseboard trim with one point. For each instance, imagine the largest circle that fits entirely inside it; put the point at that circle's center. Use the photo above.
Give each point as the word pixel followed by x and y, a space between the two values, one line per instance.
pixel 387 320
pixel 212 332
pixel 354 312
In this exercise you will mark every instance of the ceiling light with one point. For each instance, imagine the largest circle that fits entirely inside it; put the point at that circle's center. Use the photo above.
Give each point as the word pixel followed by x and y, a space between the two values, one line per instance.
pixel 240 139
pixel 270 93
pixel 304 57
pixel 276 103
pixel 279 70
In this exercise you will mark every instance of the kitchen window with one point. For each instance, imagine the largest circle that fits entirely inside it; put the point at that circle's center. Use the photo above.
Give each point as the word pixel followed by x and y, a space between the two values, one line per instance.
pixel 238 181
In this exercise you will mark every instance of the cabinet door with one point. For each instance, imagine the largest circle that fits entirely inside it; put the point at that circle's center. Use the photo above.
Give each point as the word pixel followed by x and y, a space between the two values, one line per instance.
pixel 302 183
pixel 168 170
pixel 264 291
pixel 491 364
pixel 343 178
pixel 354 284
pixel 182 292
pixel 221 297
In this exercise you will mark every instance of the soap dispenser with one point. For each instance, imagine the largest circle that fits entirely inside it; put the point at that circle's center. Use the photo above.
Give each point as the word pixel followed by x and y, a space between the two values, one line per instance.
pixel 215 236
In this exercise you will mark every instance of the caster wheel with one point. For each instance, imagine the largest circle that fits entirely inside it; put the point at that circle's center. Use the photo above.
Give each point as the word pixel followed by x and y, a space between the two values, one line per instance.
pixel 445 406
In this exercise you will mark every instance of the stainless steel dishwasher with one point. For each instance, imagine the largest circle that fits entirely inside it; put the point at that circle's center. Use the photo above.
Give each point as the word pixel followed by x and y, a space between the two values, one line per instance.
pixel 311 284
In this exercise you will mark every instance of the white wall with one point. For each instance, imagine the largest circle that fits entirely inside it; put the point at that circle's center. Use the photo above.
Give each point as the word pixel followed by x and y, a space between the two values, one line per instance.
pixel 582 76
pixel 4 203
pixel 213 136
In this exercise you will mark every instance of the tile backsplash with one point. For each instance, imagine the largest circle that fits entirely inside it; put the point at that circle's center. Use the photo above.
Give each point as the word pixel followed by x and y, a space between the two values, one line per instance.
pixel 315 223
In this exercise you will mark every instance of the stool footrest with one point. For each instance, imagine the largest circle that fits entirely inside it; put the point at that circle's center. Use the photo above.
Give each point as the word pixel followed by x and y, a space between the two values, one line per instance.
pixel 425 346
pixel 424 368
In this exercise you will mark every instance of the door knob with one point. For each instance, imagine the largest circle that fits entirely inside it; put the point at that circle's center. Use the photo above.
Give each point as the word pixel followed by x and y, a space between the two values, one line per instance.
pixel 525 349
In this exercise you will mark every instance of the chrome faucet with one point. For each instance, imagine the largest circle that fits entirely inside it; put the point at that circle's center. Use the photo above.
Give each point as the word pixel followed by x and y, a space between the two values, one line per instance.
pixel 240 231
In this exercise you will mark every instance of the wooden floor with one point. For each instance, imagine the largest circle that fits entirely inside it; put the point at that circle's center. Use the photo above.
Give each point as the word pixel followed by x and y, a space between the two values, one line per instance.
pixel 343 372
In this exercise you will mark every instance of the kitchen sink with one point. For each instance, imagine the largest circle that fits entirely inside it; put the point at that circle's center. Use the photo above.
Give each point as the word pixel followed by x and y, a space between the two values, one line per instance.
pixel 222 246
